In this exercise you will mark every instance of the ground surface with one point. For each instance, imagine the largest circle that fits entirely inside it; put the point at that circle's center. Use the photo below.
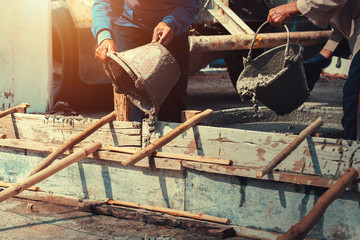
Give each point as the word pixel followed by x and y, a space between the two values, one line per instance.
pixel 50 221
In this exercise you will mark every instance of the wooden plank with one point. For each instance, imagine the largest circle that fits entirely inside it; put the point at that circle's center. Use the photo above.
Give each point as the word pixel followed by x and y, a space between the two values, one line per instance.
pixel 58 129
pixel 185 157
pixel 287 177
pixel 122 106
pixel 70 143
pixel 97 180
pixel 171 164
pixel 318 156
pixel 49 171
pixel 29 145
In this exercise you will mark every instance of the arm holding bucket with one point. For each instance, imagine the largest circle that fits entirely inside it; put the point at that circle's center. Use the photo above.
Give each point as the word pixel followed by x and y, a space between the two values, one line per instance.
pixel 177 22
pixel 104 12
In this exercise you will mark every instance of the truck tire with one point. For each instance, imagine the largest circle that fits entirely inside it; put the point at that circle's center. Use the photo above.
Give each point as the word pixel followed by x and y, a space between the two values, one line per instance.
pixel 65 54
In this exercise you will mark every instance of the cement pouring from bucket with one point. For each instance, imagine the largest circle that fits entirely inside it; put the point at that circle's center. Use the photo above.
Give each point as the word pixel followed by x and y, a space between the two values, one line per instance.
pixel 145 74
pixel 276 77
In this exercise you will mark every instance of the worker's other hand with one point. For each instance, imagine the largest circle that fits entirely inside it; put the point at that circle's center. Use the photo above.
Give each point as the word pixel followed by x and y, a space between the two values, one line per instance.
pixel 313 68
pixel 283 13
pixel 162 34
pixel 108 45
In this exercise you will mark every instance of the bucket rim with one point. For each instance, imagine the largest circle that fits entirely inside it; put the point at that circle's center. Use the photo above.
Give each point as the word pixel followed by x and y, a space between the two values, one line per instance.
pixel 293 59
pixel 135 75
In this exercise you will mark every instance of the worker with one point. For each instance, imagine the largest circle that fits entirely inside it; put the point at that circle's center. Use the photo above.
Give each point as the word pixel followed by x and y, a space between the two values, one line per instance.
pixel 344 17
pixel 120 25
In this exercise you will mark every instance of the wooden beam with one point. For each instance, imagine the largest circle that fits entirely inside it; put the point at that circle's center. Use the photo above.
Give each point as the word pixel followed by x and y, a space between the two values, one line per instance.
pixel 158 143
pixel 291 147
pixel 6 185
pixel 122 107
pixel 185 157
pixel 72 142
pixel 302 228
pixel 201 227
pixel 174 212
pixel 51 170
pixel 21 108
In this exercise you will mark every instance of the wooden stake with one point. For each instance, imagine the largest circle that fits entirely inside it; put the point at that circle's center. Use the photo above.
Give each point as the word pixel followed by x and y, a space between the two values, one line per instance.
pixel 170 211
pixel 21 108
pixel 72 142
pixel 291 147
pixel 302 228
pixel 43 174
pixel 122 107
pixel 158 143
pixel 185 157
pixel 187 114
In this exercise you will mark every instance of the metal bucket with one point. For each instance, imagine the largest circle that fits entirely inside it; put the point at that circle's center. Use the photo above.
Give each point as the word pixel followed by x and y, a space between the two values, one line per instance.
pixel 145 74
pixel 278 75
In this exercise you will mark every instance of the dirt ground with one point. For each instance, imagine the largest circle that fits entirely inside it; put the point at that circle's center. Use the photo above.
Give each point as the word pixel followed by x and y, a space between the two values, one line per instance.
pixel 48 221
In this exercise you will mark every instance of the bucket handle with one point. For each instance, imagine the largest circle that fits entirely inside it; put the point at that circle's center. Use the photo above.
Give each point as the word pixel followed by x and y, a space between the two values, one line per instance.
pixel 287 57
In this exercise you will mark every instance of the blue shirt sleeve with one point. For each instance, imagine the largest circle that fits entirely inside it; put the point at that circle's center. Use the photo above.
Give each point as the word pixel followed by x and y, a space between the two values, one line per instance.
pixel 104 13
pixel 104 34
pixel 182 16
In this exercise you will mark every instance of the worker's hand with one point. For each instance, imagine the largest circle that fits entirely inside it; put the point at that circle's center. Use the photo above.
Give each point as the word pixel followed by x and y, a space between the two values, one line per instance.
pixel 283 13
pixel 108 45
pixel 162 34
pixel 314 66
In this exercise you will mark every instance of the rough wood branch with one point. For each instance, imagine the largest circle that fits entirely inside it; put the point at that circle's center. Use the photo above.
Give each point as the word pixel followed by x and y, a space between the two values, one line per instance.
pixel 158 143
pixel 21 108
pixel 291 147
pixel 302 228
pixel 185 157
pixel 38 177
pixel 174 212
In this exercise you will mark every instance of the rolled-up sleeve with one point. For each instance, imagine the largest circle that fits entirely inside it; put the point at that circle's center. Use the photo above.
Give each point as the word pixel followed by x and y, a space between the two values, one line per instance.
pixel 334 40
pixel 180 19
pixel 320 12
pixel 104 12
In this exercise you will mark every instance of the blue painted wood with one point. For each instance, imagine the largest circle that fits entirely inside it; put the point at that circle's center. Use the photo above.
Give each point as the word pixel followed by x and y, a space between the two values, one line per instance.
pixel 247 202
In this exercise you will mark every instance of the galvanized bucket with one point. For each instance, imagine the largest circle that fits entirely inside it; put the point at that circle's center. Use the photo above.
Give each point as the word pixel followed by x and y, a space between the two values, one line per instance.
pixel 278 75
pixel 145 74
